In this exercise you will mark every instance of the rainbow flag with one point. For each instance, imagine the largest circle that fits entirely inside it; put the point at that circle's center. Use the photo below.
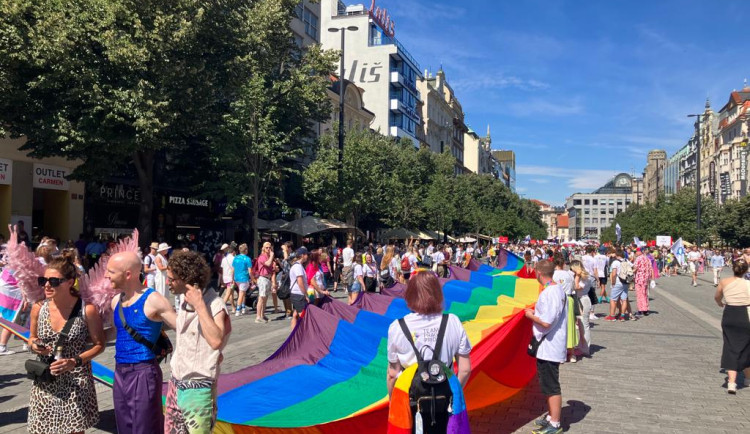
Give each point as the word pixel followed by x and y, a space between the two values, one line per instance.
pixel 329 375
pixel 11 296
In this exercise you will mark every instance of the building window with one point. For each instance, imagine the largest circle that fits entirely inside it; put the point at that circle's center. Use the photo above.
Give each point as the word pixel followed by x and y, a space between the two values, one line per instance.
pixel 576 201
pixel 594 201
pixel 311 24
pixel 586 202
pixel 298 10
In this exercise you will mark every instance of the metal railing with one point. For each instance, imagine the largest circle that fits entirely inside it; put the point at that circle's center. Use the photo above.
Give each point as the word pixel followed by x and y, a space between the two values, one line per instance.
pixel 379 39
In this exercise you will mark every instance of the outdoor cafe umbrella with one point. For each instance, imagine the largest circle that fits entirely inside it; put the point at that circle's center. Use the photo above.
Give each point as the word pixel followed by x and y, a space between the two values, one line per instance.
pixel 310 225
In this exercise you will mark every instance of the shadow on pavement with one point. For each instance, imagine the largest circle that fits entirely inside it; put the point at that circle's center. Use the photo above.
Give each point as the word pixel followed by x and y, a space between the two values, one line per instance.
pixel 511 414
pixel 593 349
pixel 20 415
pixel 10 379
pixel 574 412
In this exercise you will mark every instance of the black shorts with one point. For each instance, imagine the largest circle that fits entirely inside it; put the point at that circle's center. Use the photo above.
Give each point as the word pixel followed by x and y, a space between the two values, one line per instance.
pixel 602 281
pixel 298 302
pixel 549 377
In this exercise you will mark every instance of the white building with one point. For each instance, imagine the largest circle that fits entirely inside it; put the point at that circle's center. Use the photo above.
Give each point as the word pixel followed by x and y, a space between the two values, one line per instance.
pixel 590 213
pixel 478 153
pixel 377 63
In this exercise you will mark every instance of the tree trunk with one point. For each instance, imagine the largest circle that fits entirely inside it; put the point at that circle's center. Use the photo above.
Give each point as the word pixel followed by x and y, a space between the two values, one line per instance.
pixel 255 206
pixel 144 165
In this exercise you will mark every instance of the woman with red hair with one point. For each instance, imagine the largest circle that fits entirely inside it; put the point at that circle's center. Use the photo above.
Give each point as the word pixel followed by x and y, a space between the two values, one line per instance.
pixel 424 297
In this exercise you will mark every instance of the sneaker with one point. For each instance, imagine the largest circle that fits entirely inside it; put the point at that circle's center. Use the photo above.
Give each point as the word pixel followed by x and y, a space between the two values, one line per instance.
pixel 593 317
pixel 237 312
pixel 731 388
pixel 622 318
pixel 573 359
pixel 610 318
pixel 600 299
pixel 244 310
pixel 4 351
pixel 542 422
pixel 633 317
pixel 25 347
pixel 549 429
pixel 260 321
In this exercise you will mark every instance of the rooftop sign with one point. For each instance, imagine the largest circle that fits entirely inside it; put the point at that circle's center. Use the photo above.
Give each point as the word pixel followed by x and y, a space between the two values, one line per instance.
pixel 383 19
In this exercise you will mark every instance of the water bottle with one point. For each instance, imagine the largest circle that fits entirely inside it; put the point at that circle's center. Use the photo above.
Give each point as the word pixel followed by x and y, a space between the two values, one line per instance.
pixel 58 352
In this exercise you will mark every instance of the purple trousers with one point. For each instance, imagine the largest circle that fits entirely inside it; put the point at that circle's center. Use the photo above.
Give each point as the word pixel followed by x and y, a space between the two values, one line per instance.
pixel 137 398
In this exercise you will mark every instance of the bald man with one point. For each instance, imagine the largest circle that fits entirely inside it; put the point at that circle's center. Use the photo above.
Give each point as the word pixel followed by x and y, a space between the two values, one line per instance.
pixel 138 377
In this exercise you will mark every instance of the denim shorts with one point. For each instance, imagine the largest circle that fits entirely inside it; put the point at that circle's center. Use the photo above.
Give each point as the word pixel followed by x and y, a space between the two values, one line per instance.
pixel 619 292
pixel 356 286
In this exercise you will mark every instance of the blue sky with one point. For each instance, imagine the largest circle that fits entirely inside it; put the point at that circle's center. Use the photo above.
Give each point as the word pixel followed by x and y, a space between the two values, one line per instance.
pixel 580 90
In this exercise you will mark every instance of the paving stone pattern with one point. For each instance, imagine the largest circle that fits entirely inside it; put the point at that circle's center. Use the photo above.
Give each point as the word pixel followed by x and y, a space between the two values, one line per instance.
pixel 659 374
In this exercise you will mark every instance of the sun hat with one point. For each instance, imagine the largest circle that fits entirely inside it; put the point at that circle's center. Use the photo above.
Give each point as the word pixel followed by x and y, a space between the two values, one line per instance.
pixel 163 246
pixel 224 246
pixel 154 245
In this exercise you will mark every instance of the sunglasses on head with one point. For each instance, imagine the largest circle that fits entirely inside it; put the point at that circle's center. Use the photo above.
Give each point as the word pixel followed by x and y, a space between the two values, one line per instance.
pixel 53 281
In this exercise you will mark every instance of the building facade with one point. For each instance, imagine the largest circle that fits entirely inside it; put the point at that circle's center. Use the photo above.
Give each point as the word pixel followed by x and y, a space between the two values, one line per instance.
pixel 590 213
pixel 377 63
pixel 731 158
pixel 563 233
pixel 443 116
pixel 653 175
pixel 506 167
pixel 478 153
pixel 305 24
pixel 672 172
pixel 38 193
pixel 356 116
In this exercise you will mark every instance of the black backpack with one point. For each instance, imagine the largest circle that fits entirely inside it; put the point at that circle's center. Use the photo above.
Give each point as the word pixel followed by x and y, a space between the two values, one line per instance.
pixel 427 260
pixel 385 278
pixel 284 282
pixel 430 392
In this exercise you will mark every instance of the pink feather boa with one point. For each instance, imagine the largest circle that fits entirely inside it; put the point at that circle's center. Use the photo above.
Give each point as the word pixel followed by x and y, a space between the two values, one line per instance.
pixel 26 267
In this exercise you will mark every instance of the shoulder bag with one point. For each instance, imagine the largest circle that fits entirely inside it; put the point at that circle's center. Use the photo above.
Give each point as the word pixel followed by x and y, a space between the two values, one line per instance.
pixel 161 348
pixel 38 370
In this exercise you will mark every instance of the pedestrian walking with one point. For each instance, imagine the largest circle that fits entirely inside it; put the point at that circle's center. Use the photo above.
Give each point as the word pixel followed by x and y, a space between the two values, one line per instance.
pixel 694 258
pixel 644 272
pixel 717 265
pixel 733 295
pixel 242 266
pixel 149 265
pixel 583 283
pixel 298 284
pixel 138 405
pixel 202 332
pixel 550 325
pixel 160 279
pixel 266 280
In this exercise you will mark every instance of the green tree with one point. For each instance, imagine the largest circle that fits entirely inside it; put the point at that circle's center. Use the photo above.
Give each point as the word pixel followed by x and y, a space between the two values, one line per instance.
pixel 732 223
pixel 111 83
pixel 281 90
pixel 364 187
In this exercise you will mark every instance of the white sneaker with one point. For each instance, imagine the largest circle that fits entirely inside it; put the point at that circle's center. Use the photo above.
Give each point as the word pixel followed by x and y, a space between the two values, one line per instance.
pixel 732 388
pixel 237 313
pixel 244 311
pixel 25 347
pixel 593 317
pixel 4 351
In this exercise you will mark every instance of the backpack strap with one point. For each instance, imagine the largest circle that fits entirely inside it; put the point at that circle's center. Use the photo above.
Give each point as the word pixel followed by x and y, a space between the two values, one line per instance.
pixel 406 331
pixel 440 337
pixel 69 323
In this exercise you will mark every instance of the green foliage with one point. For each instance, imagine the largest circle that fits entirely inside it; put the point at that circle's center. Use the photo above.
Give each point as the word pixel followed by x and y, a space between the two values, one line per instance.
pixel 732 223
pixel 400 186
pixel 674 215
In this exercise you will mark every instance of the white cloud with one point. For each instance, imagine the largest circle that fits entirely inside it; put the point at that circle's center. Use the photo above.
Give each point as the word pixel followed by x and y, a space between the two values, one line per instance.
pixel 579 179
pixel 544 106
pixel 498 81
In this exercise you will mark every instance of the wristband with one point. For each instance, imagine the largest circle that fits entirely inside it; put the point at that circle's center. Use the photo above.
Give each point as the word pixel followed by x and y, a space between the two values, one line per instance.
pixel 78 361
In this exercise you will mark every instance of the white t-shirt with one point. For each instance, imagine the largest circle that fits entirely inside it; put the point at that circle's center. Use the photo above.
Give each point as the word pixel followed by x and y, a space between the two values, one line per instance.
pixel 589 264
pixel 297 270
pixel 320 281
pixel 412 261
pixel 424 330
pixel 564 278
pixel 394 267
pixel 601 264
pixel 149 261
pixel 227 273
pixel 430 249
pixel 615 268
pixel 348 256
pixel 358 271
pixel 585 285
pixel 438 258
pixel 551 307
pixel 458 256
pixel 694 256
pixel 370 271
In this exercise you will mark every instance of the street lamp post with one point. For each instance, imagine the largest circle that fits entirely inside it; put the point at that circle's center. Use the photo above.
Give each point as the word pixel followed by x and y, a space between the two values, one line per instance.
pixel 698 181
pixel 342 89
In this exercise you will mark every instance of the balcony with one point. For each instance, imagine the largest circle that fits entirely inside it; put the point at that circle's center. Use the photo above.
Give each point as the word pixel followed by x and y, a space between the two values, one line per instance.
pixel 379 39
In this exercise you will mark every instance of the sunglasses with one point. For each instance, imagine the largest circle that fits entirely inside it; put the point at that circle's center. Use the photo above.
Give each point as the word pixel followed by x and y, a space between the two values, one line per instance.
pixel 53 281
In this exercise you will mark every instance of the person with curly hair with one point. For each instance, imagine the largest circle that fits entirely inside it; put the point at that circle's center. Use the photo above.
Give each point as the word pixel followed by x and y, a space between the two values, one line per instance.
pixel 202 330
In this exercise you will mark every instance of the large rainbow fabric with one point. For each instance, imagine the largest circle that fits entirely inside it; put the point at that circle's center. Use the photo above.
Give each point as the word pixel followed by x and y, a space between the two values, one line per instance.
pixel 329 375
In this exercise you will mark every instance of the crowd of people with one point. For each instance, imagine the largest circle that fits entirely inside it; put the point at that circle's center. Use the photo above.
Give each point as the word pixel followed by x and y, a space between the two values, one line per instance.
pixel 67 334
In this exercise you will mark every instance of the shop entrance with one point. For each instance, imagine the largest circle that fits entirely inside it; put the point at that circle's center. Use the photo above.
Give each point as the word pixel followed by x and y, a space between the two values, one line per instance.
pixel 50 214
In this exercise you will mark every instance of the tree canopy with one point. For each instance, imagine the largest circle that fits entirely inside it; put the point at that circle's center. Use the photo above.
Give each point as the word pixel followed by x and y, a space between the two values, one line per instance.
pixel 393 183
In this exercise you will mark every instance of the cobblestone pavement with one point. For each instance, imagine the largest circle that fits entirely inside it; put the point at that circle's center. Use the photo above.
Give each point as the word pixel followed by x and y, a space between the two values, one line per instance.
pixel 658 374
